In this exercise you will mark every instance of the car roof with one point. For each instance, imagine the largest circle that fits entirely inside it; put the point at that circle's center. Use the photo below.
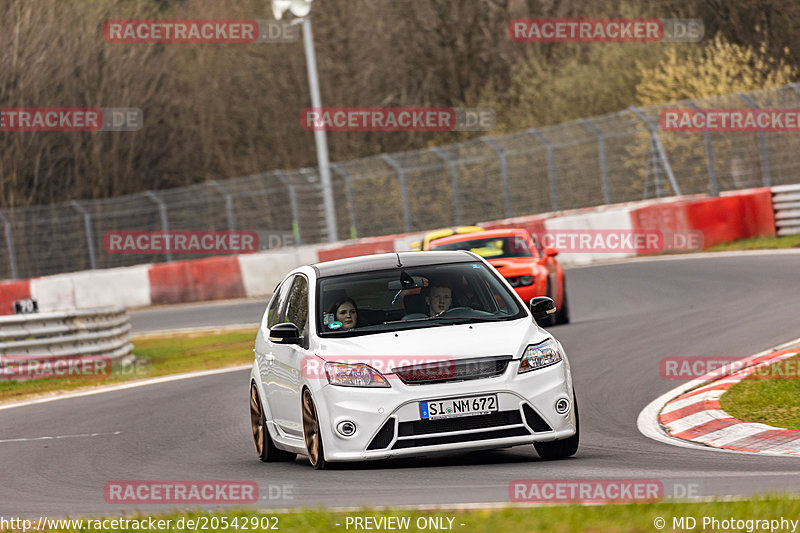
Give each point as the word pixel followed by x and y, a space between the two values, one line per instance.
pixel 488 234
pixel 367 263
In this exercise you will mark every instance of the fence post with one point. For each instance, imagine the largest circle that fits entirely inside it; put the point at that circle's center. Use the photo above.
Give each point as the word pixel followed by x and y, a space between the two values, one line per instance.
pixel 401 178
pixel 503 172
pixel 12 258
pixel 712 170
pixel 228 204
pixel 351 206
pixel 601 154
pixel 766 176
pixel 451 165
pixel 295 211
pixel 551 167
pixel 87 224
pixel 660 149
pixel 162 210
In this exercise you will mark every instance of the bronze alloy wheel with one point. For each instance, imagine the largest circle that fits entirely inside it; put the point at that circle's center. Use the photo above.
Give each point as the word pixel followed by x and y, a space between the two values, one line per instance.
pixel 311 432
pixel 256 420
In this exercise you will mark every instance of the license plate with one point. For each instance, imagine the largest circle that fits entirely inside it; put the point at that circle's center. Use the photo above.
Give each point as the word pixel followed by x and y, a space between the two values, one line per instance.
pixel 455 407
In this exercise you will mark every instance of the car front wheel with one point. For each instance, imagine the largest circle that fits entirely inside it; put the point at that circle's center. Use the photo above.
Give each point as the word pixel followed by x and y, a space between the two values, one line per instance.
pixel 314 449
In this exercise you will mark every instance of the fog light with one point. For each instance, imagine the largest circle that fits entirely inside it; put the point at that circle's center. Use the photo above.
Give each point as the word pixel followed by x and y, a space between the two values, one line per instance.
pixel 346 428
pixel 562 406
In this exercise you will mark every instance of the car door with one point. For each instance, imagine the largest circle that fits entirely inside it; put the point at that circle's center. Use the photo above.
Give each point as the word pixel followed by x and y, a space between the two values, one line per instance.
pixel 264 349
pixel 286 383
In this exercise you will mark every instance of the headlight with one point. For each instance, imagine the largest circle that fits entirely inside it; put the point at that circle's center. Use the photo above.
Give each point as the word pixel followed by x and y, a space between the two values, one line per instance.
pixel 354 375
pixel 520 281
pixel 539 356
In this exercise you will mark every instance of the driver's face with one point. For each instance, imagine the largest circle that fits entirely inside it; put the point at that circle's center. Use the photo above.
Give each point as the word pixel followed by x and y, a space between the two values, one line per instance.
pixel 439 300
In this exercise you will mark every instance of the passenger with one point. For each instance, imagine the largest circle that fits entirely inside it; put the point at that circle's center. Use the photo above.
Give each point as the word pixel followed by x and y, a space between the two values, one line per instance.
pixel 345 310
pixel 439 297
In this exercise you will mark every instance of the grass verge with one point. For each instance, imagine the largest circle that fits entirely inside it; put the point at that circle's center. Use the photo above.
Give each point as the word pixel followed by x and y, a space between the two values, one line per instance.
pixel 758 243
pixel 770 396
pixel 557 519
pixel 155 356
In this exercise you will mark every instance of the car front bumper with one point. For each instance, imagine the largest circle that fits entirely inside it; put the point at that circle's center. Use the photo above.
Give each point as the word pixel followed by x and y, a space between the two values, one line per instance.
pixel 388 422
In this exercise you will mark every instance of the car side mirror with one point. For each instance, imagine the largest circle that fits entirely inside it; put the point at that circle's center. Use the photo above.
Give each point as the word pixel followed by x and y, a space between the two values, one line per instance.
pixel 550 252
pixel 286 333
pixel 542 307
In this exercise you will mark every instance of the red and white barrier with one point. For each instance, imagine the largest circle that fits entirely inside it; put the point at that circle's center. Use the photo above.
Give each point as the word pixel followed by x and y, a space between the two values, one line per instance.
pixel 732 216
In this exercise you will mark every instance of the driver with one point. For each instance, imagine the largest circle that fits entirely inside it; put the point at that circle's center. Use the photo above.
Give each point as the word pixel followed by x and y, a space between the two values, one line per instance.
pixel 439 298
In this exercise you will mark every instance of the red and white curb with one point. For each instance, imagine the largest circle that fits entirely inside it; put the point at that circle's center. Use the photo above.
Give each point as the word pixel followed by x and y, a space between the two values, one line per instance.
pixel 691 416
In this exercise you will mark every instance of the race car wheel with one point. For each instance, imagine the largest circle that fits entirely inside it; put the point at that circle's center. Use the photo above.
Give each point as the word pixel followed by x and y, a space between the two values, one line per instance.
pixel 314 449
pixel 562 315
pixel 265 448
pixel 561 449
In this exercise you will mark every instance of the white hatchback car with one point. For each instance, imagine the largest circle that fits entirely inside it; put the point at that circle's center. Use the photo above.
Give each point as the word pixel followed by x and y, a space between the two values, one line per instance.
pixel 407 354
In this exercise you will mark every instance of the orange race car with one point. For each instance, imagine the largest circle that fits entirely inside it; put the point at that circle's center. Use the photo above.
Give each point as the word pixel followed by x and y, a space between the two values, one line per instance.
pixel 519 257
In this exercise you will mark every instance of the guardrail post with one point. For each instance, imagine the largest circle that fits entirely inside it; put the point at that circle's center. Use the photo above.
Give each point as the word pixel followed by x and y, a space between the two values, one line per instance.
pixel 162 211
pixel 87 224
pixel 401 179
pixel 12 258
pixel 351 205
pixel 295 210
pixel 659 148
pixel 503 172
pixel 228 204
pixel 451 165
pixel 601 154
pixel 712 171
pixel 551 167
pixel 766 175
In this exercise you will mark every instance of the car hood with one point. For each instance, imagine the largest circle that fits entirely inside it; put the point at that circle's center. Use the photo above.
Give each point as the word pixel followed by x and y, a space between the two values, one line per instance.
pixel 514 266
pixel 459 341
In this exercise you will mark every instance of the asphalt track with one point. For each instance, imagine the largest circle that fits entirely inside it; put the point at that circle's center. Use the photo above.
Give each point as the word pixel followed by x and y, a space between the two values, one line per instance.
pixel 626 317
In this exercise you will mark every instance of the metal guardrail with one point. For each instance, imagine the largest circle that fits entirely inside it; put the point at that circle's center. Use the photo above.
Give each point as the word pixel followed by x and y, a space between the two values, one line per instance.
pixel 786 204
pixel 69 334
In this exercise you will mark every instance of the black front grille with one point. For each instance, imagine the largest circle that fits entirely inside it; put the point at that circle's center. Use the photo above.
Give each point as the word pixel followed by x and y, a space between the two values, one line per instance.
pixel 384 436
pixel 469 437
pixel 426 427
pixel 453 370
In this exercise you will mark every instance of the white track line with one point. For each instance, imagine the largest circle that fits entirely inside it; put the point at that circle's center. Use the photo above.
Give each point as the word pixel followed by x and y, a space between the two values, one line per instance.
pixel 123 386
pixel 80 435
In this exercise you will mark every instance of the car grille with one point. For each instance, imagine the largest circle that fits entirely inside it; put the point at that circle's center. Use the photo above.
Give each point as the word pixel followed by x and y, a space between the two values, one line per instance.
pixel 497 425
pixel 426 427
pixel 453 370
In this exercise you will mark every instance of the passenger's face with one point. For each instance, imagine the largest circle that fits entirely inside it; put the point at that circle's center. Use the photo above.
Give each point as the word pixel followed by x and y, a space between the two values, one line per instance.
pixel 439 300
pixel 347 315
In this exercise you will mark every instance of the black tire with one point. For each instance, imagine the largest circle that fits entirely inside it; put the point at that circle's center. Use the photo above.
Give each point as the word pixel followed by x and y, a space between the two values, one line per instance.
pixel 265 448
pixel 562 315
pixel 311 433
pixel 561 449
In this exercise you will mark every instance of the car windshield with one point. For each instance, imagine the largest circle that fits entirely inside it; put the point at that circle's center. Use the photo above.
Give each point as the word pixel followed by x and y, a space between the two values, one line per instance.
pixel 491 247
pixel 413 297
